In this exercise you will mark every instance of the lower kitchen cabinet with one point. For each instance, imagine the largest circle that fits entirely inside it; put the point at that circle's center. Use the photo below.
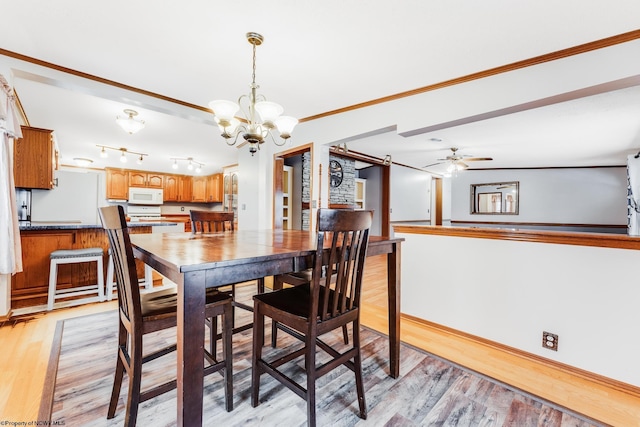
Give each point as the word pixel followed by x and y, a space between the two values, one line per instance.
pixel 31 286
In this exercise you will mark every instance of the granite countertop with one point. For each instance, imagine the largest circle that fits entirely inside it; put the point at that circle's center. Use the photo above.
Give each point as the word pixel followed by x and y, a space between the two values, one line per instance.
pixel 27 225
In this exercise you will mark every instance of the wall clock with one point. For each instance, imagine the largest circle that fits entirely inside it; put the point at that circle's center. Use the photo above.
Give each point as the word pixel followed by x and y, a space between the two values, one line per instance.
pixel 335 173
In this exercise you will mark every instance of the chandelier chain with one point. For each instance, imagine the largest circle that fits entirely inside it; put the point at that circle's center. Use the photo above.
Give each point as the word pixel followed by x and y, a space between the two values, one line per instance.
pixel 253 75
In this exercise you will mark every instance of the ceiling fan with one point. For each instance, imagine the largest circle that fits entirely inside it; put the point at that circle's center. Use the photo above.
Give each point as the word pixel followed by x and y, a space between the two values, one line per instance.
pixel 456 162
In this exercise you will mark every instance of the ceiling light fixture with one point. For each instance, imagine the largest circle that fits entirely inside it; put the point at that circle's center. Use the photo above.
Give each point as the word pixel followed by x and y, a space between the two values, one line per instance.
pixel 191 165
pixel 261 116
pixel 82 161
pixel 130 124
pixel 123 152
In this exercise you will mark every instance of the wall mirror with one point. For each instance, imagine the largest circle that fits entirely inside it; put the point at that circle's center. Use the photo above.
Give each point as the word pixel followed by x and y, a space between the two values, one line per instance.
pixel 498 198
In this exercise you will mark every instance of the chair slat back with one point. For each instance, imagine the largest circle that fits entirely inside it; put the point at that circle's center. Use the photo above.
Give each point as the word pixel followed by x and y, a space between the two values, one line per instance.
pixel 344 234
pixel 211 222
pixel 115 223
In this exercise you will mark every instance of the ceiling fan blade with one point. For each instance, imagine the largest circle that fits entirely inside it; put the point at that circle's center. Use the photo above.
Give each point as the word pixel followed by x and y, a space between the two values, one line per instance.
pixel 462 164
pixel 432 164
pixel 477 159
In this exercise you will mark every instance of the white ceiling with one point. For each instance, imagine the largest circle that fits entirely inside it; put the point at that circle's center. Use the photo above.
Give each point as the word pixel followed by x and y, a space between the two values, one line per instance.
pixel 317 57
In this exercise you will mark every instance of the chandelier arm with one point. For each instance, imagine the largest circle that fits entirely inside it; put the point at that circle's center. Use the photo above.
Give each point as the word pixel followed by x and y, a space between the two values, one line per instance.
pixel 275 141
pixel 239 130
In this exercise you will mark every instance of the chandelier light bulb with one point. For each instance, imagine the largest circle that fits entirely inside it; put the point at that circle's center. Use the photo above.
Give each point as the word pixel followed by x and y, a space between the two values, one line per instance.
pixel 175 164
pixel 139 161
pixel 103 153
pixel 190 166
pixel 198 169
pixel 123 158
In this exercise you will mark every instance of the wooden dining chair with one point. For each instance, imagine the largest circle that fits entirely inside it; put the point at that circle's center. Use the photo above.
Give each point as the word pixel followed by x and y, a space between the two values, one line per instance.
pixel 220 222
pixel 143 313
pixel 311 310
pixel 297 278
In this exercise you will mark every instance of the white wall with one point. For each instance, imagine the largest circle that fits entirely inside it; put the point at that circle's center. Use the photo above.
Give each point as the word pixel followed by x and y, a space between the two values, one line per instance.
pixel 510 292
pixel 564 196
pixel 410 194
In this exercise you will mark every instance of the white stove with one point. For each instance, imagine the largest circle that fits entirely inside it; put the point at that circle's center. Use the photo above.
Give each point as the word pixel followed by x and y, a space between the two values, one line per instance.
pixel 143 212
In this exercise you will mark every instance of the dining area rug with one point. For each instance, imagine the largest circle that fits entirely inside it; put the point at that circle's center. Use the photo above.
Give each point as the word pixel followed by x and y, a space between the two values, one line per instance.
pixel 430 391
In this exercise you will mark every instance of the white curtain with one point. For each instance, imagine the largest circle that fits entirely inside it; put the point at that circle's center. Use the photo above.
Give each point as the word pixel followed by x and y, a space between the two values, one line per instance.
pixel 10 248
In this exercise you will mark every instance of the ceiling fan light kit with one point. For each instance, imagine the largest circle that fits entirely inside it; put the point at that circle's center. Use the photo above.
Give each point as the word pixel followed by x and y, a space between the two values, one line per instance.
pixel 261 117
pixel 456 163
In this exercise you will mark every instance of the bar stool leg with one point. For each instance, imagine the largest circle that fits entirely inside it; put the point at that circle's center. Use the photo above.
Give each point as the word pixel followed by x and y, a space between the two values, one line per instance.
pixel 53 278
pixel 100 278
pixel 110 281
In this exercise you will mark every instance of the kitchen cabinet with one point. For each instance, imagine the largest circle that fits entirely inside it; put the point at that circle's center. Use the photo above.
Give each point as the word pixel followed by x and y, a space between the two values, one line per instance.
pixel 34 159
pixel 214 188
pixel 117 184
pixel 177 188
pixel 31 286
pixel 146 179
pixel 199 189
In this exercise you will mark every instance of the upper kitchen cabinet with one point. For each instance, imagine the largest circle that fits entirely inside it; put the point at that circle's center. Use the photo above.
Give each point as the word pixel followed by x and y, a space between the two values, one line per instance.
pixel 35 159
pixel 214 188
pixel 146 179
pixel 177 188
pixel 117 184
pixel 199 189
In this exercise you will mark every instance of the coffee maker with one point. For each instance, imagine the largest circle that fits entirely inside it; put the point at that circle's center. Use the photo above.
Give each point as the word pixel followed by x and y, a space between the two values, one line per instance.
pixel 23 201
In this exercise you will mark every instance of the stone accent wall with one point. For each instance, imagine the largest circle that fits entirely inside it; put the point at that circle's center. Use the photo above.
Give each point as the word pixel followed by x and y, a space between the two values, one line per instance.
pixel 344 194
pixel 306 188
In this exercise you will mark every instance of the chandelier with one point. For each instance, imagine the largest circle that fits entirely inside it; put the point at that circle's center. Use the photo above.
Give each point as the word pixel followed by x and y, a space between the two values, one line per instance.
pixel 130 124
pixel 261 117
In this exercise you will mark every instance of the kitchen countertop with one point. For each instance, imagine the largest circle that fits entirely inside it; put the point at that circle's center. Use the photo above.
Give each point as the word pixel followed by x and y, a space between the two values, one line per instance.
pixel 28 226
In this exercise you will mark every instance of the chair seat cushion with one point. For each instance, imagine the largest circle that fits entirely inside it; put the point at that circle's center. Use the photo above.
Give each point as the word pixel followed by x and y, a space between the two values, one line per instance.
pixel 294 300
pixel 166 301
pixel 76 253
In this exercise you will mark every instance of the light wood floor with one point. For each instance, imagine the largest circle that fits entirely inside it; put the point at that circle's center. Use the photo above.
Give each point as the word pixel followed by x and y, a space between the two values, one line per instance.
pixel 25 349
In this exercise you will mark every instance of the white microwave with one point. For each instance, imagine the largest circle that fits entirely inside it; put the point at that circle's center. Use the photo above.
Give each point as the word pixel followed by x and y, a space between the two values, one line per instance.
pixel 145 196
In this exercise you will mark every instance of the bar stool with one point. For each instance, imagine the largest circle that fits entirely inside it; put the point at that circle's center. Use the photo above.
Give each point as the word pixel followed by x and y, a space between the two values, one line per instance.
pixel 111 280
pixel 73 256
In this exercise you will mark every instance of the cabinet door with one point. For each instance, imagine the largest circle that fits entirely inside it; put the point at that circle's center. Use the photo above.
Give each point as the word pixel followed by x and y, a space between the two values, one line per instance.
pixel 185 190
pixel 199 189
pixel 137 179
pixel 170 193
pixel 34 280
pixel 117 184
pixel 214 188
pixel 34 159
pixel 155 180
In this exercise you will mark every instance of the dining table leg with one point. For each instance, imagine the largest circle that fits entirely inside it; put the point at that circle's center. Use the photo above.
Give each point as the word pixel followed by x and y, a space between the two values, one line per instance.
pixel 393 294
pixel 190 351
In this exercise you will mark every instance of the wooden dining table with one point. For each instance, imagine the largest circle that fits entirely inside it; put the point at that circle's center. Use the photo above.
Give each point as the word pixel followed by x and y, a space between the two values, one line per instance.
pixel 196 262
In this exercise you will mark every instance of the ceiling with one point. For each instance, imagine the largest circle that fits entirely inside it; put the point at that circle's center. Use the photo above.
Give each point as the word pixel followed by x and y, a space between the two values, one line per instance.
pixel 316 57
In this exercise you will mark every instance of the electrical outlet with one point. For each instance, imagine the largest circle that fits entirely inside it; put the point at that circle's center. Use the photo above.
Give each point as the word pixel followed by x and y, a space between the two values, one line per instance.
pixel 182 209
pixel 550 341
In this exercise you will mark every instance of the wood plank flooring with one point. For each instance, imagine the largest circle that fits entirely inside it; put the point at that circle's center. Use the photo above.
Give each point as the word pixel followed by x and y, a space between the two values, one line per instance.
pixel 429 391
pixel 25 349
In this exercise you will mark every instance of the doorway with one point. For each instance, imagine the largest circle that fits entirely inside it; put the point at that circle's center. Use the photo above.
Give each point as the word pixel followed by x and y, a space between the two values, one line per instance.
pixel 293 181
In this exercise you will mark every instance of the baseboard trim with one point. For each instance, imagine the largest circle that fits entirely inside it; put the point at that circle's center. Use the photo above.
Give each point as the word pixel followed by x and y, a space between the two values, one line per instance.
pixel 608 400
